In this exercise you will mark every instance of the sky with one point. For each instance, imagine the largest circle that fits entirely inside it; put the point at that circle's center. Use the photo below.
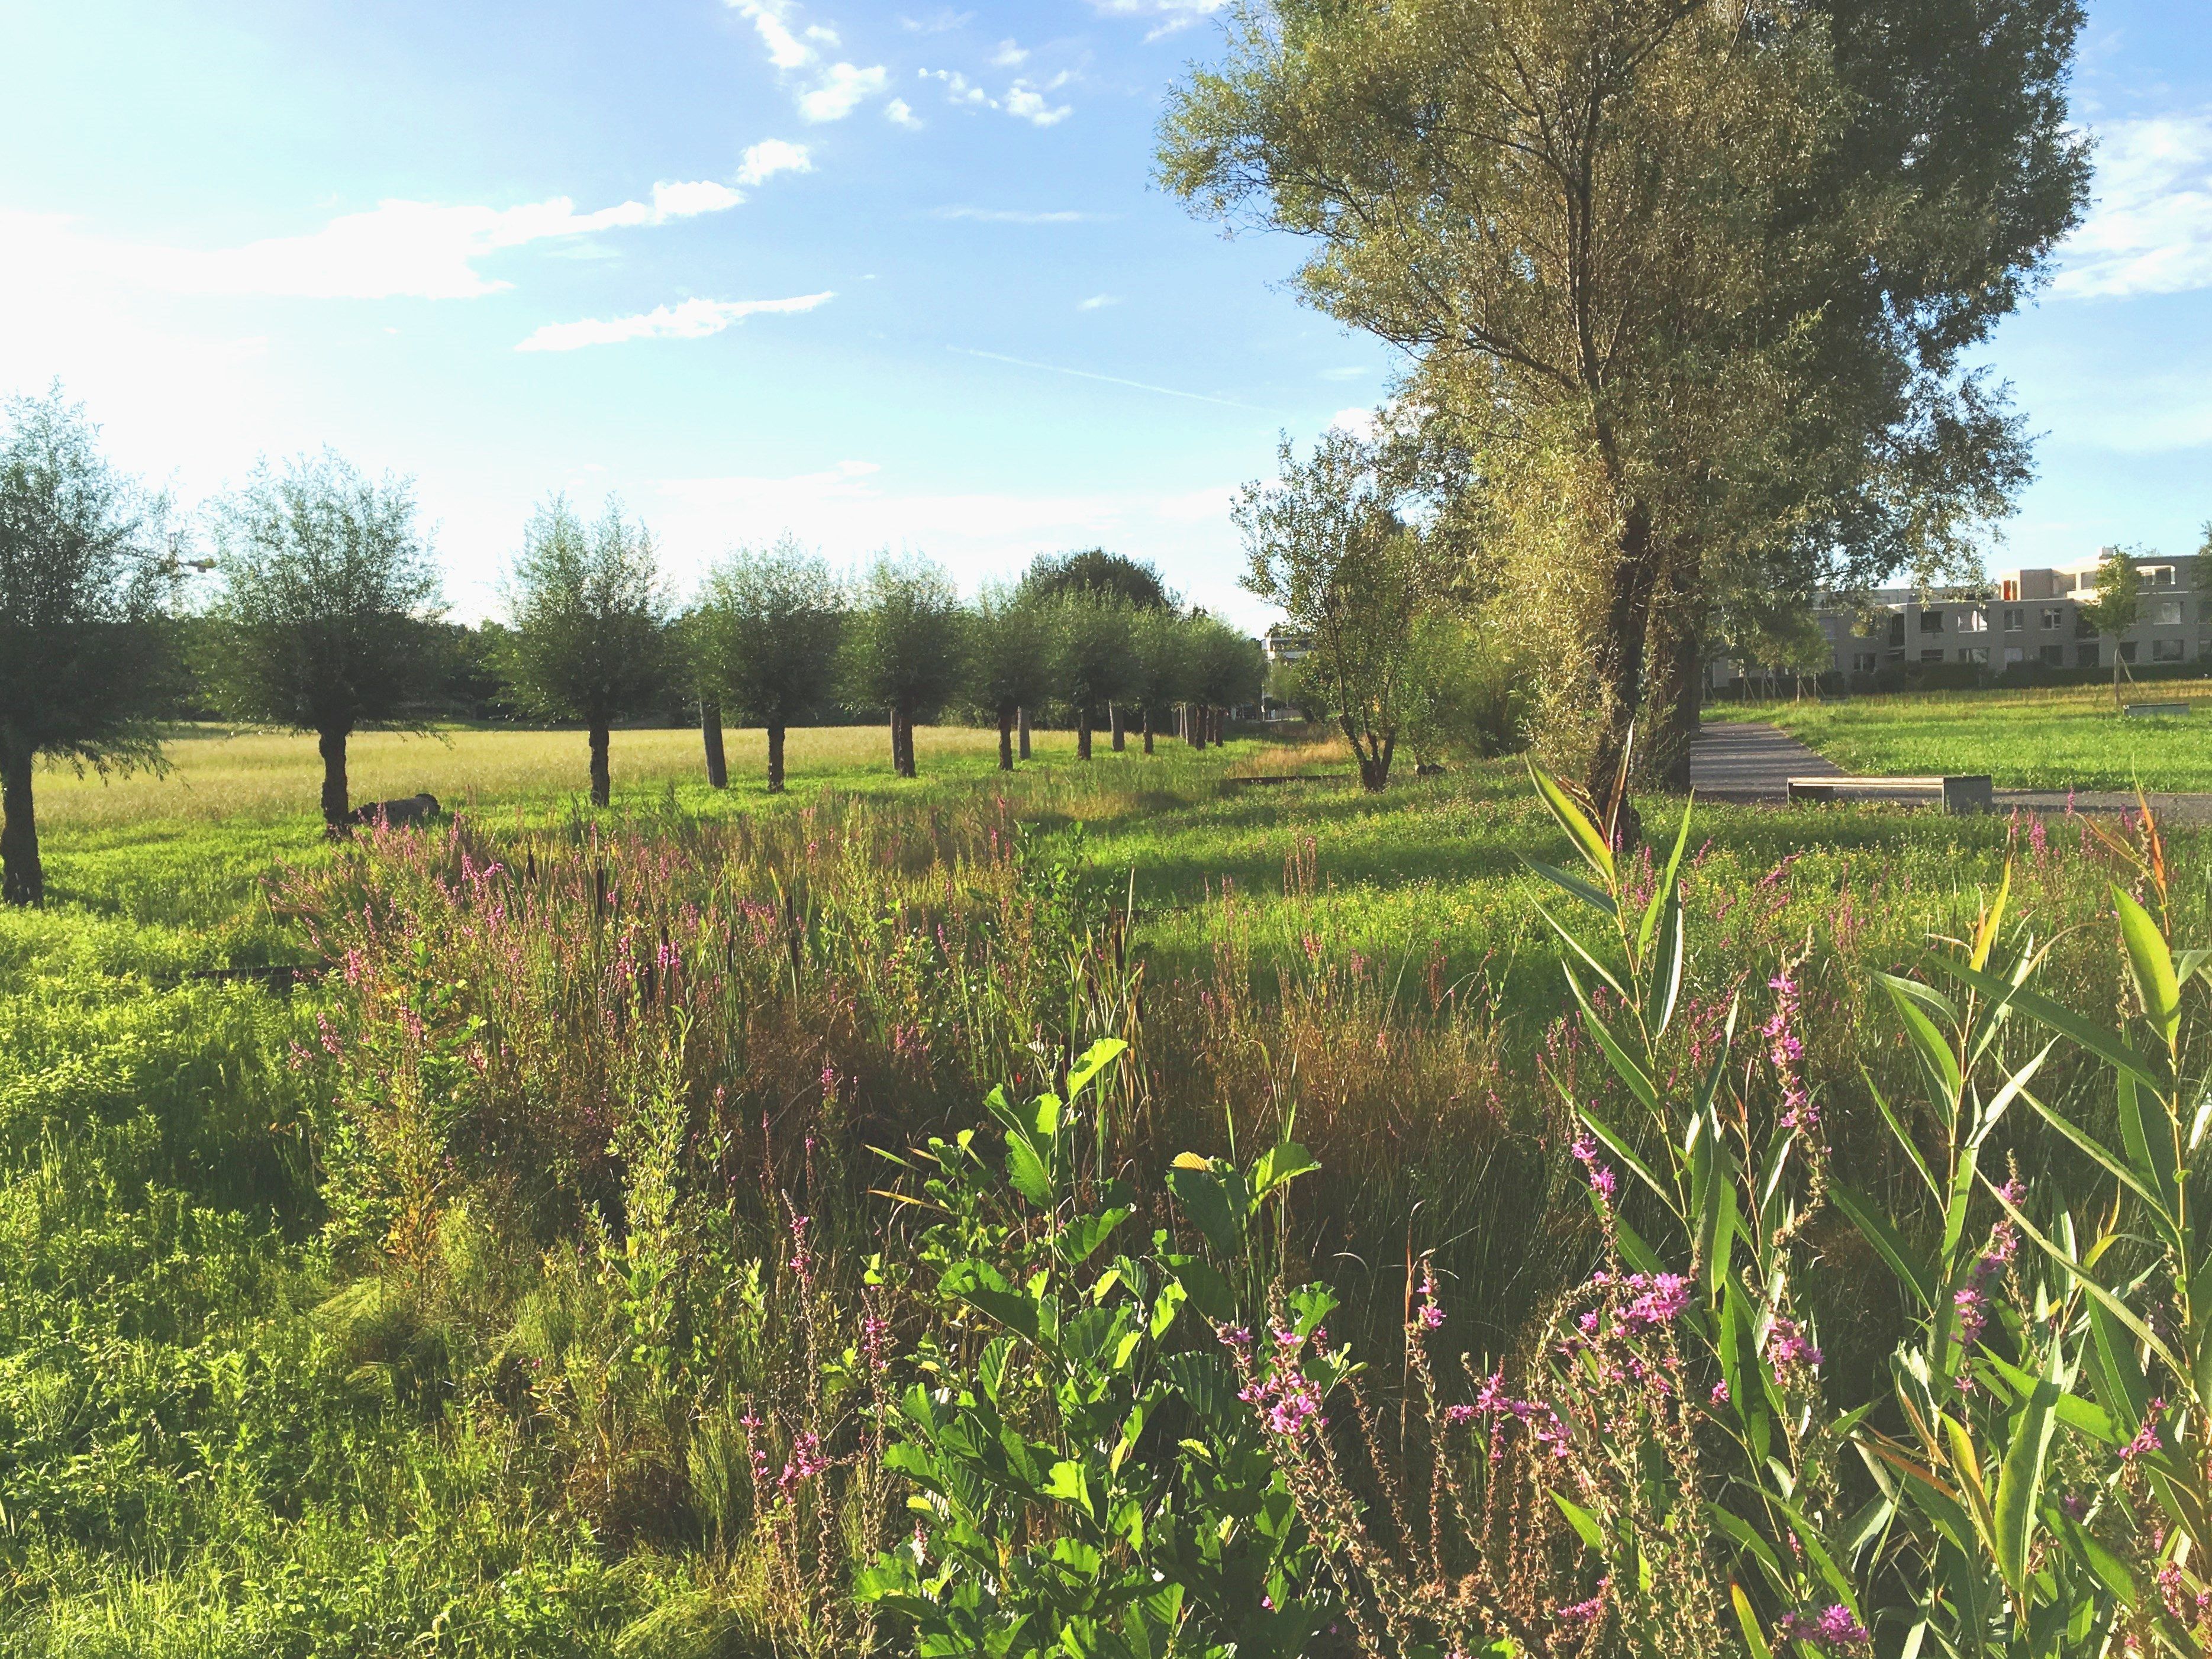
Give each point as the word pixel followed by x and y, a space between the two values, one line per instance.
pixel 879 275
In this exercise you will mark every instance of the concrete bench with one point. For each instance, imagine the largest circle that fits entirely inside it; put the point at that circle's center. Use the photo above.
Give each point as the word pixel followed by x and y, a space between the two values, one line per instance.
pixel 1970 792
pixel 2158 708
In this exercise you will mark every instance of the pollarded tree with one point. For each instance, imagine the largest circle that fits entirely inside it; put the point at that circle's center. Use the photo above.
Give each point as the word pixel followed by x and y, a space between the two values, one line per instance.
pixel 588 621
pixel 1160 666
pixel 904 647
pixel 329 595
pixel 768 621
pixel 85 598
pixel 1228 670
pixel 1325 543
pixel 1093 659
pixel 1009 660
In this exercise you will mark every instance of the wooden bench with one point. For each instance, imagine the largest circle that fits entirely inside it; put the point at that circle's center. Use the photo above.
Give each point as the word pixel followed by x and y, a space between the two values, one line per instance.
pixel 2158 708
pixel 1968 792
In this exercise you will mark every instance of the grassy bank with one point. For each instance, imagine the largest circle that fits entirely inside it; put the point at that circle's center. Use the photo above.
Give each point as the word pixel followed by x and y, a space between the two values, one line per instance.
pixel 331 1318
pixel 2066 738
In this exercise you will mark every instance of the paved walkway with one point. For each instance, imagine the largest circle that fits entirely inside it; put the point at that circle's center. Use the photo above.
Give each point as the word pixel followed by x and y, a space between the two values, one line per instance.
pixel 1749 761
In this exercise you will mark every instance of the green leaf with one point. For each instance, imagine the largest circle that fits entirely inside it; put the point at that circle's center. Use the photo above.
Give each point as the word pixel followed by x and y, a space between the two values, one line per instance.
pixel 1205 1202
pixel 1753 1638
pixel 1916 1275
pixel 1574 885
pixel 1622 1150
pixel 2153 964
pixel 2097 1293
pixel 2133 1179
pixel 1740 1530
pixel 2019 1481
pixel 1665 988
pixel 1939 1067
pixel 1584 1524
pixel 1666 889
pixel 1629 1069
pixel 2103 1044
pixel 1580 830
pixel 1026 1173
pixel 1282 1163
pixel 2149 1143
pixel 1095 1059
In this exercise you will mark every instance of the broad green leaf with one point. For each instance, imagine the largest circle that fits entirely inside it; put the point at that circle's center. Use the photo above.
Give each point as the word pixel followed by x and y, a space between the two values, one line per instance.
pixel 1571 818
pixel 1280 1164
pixel 1584 1522
pixel 1939 1067
pixel 1666 889
pixel 2020 1481
pixel 1026 1173
pixel 1753 1639
pixel 2103 1044
pixel 1205 1202
pixel 1095 1059
pixel 2150 1141
pixel 2153 964
pixel 1665 988
pixel 1570 884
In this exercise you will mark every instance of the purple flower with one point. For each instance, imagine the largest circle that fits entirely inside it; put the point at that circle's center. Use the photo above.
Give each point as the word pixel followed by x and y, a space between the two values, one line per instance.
pixel 1834 1629
pixel 1661 1300
pixel 1430 1312
pixel 2147 1438
pixel 1788 1346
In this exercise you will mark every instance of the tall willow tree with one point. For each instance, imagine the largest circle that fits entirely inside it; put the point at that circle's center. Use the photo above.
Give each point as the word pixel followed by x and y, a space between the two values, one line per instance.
pixel 1682 280
pixel 85 598
pixel 587 624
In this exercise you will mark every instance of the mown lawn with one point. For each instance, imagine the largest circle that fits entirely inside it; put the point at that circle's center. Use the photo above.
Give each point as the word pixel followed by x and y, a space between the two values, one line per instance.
pixel 2068 737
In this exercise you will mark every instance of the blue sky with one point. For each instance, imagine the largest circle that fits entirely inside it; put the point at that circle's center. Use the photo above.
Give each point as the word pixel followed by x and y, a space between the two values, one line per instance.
pixel 882 274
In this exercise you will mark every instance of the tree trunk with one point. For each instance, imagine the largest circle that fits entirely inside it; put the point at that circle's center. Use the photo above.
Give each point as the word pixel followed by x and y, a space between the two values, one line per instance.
pixel 710 732
pixel 1193 726
pixel 1147 719
pixel 1620 678
pixel 903 741
pixel 775 757
pixel 1083 734
pixel 1121 725
pixel 22 877
pixel 602 783
pixel 337 825
pixel 1022 730
pixel 1677 697
pixel 1006 737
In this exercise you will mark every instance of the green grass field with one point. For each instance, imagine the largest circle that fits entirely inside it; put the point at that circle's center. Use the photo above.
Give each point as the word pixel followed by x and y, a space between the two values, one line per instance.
pixel 231 1423
pixel 2068 737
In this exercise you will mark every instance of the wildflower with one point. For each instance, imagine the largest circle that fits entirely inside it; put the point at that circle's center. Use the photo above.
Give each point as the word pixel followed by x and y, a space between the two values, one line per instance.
pixel 1787 1347
pixel 1586 1613
pixel 802 1263
pixel 1834 1630
pixel 804 1463
pixel 1661 1300
pixel 1719 1397
pixel 2147 1438
pixel 876 1342
pixel 1602 1179
pixel 1234 1336
pixel 1430 1313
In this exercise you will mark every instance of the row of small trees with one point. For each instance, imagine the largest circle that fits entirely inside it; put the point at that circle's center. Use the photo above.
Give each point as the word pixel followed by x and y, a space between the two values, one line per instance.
pixel 326 599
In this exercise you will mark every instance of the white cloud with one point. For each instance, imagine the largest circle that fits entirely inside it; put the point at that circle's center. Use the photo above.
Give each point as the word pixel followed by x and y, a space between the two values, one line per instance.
pixel 1098 302
pixel 1009 54
pixel 1029 104
pixel 397 249
pixel 937 22
pixel 1348 372
pixel 901 113
pixel 1174 15
pixel 770 156
pixel 1017 216
pixel 1359 423
pixel 841 91
pixel 2150 231
pixel 773 18
pixel 692 319
pixel 959 89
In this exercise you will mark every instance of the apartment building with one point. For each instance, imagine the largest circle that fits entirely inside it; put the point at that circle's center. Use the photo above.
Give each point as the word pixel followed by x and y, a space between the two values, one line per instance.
pixel 2032 619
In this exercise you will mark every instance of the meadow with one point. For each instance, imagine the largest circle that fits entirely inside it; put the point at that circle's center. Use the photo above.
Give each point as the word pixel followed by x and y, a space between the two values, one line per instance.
pixel 467 1294
pixel 2059 738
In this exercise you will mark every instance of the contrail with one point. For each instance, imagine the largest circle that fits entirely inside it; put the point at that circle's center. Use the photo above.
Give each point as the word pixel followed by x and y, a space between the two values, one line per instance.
pixel 1110 380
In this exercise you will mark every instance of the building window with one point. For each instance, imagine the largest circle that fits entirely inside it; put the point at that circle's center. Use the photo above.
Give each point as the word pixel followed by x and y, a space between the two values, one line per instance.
pixel 2085 656
pixel 1862 662
pixel 2083 627
pixel 2157 575
pixel 1931 621
pixel 1897 629
pixel 2127 650
pixel 1974 653
pixel 2166 613
pixel 2165 650
pixel 2054 616
pixel 2016 618
pixel 1935 655
pixel 2054 656
pixel 2014 653
pixel 1974 621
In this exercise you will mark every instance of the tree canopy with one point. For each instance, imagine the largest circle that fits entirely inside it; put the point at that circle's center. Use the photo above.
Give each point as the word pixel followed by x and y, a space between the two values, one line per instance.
pixel 769 623
pixel 904 647
pixel 85 585
pixel 1094 571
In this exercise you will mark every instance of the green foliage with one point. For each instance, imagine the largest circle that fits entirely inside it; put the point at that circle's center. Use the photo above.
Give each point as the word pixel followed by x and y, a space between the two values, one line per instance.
pixel 1083 1486
pixel 1135 582
pixel 768 629
pixel 587 621
pixel 1093 658
pixel 904 647
pixel 85 592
